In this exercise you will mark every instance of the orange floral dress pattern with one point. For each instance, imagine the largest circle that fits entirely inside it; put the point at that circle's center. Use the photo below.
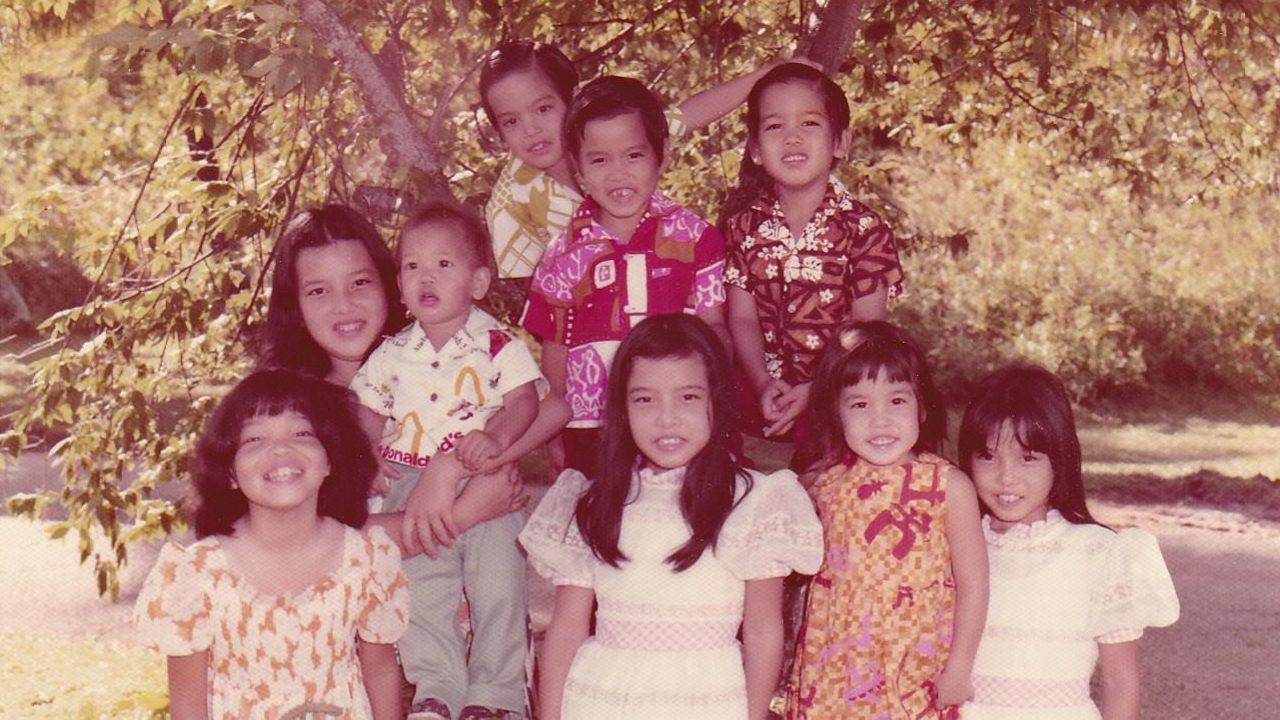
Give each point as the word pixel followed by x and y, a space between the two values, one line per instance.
pixel 880 610
pixel 270 654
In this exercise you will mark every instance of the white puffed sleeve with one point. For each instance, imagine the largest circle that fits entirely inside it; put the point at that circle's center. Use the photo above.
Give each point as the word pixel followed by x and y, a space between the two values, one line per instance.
pixel 1132 588
pixel 172 613
pixel 556 548
pixel 773 530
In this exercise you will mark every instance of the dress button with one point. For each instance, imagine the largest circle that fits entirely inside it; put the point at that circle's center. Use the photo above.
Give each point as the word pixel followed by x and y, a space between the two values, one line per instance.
pixel 791 308
pixel 435 363
pixel 433 397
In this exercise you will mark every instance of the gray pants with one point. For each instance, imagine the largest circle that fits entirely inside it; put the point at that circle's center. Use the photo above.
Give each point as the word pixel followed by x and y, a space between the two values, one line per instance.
pixel 486 563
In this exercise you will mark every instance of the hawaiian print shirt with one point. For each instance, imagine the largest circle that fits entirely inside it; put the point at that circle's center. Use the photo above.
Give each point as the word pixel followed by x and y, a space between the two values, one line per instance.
pixel 591 288
pixel 804 287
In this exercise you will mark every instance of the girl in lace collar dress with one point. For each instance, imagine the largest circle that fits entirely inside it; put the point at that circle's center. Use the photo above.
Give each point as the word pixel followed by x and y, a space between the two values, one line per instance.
pixel 1067 593
pixel 676 541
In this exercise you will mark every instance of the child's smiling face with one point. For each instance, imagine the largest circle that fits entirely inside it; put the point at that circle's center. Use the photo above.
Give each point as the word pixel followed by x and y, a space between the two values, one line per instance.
pixel 1012 481
pixel 796 142
pixel 342 300
pixel 529 113
pixel 619 169
pixel 280 464
pixel 669 409
pixel 881 419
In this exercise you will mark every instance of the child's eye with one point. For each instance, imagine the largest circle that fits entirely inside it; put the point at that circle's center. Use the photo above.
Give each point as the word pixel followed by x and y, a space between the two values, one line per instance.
pixel 446 263
pixel 250 439
pixel 595 161
pixel 507 122
pixel 635 155
pixel 410 265
pixel 641 400
pixel 361 282
pixel 306 433
pixel 1030 457
pixel 544 109
pixel 772 126
pixel 692 396
pixel 313 292
pixel 983 455
pixel 857 404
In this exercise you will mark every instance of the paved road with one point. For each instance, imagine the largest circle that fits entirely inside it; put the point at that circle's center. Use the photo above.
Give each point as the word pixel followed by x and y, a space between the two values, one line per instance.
pixel 1221 660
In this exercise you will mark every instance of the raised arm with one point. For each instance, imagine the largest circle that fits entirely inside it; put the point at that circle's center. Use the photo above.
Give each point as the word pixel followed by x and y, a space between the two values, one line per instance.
pixel 704 108
pixel 969 566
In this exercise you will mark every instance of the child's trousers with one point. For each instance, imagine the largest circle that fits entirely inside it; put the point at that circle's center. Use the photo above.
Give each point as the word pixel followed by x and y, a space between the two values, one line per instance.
pixel 485 563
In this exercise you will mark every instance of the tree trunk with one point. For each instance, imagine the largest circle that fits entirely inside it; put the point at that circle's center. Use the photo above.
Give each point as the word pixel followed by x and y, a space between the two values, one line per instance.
pixel 405 144
pixel 828 41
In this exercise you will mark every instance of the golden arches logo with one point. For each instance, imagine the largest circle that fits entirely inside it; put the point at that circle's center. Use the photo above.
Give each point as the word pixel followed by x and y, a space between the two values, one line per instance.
pixel 463 374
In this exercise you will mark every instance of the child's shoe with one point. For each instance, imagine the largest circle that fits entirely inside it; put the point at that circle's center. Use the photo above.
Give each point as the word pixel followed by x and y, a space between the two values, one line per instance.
pixel 430 709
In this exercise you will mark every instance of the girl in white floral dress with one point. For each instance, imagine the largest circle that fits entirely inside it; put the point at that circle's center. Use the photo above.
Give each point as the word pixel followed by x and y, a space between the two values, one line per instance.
pixel 283 603
pixel 1067 594
pixel 679 545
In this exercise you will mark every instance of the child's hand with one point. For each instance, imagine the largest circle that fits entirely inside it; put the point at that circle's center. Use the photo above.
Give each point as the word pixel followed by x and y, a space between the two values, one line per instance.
pixel 954 688
pixel 475 448
pixel 773 391
pixel 792 403
pixel 428 515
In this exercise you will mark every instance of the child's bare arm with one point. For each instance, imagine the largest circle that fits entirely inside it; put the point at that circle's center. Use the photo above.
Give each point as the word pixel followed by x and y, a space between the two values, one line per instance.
pixel 519 408
pixel 428 511
pixel 553 415
pixel 748 340
pixel 1120 690
pixel 554 357
pixel 762 639
pixel 189 686
pixel 969 566
pixel 383 679
pixel 704 108
pixel 569 627
pixel 872 306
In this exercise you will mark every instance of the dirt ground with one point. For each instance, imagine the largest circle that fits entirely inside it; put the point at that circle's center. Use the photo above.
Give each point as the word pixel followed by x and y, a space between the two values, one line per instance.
pixel 1220 660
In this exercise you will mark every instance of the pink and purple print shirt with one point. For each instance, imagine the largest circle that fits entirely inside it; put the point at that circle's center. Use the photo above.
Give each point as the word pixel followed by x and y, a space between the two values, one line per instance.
pixel 590 288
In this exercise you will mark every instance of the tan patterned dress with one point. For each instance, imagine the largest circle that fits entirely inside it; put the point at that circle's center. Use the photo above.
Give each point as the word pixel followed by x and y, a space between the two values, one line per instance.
pixel 878 624
pixel 269 654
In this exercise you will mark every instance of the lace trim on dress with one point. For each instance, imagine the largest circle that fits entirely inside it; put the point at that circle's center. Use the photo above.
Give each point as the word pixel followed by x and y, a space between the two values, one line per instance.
pixel 1030 692
pixel 631 698
pixel 1022 533
pixel 665 635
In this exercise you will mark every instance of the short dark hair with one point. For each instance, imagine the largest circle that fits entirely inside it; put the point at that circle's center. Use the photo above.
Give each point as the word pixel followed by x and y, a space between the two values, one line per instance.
pixel 475 233
pixel 834 101
pixel 862 351
pixel 608 97
pixel 286 341
pixel 710 482
pixel 331 411
pixel 516 56
pixel 1036 405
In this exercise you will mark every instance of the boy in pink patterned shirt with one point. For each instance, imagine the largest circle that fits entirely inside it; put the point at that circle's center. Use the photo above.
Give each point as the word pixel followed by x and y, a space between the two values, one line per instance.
pixel 629 252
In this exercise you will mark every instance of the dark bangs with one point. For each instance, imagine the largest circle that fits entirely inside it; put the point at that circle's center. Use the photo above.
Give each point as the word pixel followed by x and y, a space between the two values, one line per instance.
pixel 332 415
pixel 1035 404
pixel 869 351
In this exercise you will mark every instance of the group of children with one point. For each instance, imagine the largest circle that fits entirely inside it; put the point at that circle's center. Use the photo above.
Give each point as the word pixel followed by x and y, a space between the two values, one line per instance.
pixel 985 589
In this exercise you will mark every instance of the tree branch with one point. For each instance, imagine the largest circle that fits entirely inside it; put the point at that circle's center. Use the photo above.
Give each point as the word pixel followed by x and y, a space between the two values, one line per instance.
pixel 403 142
pixel 830 42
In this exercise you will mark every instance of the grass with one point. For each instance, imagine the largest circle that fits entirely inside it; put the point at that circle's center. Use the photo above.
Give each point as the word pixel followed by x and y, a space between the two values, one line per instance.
pixel 52 678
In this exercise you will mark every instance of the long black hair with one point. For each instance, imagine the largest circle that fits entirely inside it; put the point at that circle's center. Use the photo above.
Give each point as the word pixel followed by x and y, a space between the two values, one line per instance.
pixel 707 495
pixel 1036 406
pixel 287 342
pixel 866 351
pixel 343 495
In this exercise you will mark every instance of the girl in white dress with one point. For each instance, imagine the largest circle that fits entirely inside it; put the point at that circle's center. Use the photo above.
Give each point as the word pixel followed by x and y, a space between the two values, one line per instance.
pixel 676 541
pixel 1067 593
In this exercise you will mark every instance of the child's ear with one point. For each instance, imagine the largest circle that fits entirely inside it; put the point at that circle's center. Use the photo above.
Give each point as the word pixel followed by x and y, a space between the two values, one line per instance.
pixel 842 143
pixel 480 279
pixel 753 151
pixel 666 153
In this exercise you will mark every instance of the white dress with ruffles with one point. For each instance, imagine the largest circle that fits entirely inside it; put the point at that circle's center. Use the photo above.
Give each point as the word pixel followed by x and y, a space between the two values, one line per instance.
pixel 665 643
pixel 1057 590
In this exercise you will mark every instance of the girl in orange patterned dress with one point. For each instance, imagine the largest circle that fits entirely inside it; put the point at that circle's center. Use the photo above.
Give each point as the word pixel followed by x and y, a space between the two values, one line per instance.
pixel 283 605
pixel 895 613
